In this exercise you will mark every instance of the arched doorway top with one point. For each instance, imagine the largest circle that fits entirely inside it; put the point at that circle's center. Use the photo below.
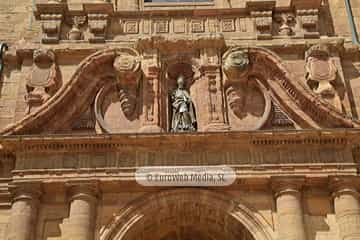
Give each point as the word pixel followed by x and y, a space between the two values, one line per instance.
pixel 219 208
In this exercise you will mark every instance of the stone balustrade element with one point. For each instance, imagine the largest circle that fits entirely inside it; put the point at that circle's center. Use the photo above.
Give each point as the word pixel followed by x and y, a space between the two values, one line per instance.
pixel 24 211
pixel 347 207
pixel 81 222
pixel 289 208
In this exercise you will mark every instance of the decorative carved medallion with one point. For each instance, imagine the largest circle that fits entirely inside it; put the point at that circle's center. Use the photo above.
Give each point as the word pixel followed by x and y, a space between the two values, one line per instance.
pixel 235 64
pixel 131 26
pixel 228 25
pixel 44 79
pixel 197 26
pixel 321 74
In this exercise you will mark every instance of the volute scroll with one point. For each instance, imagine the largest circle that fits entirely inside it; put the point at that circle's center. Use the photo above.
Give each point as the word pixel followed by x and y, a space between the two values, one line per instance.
pixel 120 97
pixel 248 101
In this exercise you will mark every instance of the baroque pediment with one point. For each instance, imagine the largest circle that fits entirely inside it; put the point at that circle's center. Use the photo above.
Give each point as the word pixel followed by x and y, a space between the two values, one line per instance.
pixel 124 90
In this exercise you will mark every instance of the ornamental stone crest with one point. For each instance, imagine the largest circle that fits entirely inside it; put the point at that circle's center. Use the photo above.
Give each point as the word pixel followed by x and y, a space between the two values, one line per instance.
pixel 44 80
pixel 321 74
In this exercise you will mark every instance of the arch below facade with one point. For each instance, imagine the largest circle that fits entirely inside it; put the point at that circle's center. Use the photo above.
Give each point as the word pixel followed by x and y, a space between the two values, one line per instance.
pixel 183 214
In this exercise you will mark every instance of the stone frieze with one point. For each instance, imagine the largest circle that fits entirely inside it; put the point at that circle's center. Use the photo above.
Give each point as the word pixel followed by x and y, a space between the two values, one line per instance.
pixel 99 22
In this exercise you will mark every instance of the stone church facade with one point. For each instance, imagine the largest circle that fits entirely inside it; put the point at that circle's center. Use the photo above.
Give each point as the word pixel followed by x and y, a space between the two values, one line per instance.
pixel 91 91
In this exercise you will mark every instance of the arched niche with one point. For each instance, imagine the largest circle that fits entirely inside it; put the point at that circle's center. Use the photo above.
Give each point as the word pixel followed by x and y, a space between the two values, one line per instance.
pixel 174 67
pixel 183 214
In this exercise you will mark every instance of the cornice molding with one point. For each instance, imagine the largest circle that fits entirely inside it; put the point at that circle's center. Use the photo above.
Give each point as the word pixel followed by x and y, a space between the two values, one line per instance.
pixel 18 52
pixel 114 142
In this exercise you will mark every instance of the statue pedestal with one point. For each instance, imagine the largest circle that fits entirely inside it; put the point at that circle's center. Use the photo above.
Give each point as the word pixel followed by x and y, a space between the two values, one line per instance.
pixel 216 127
pixel 151 129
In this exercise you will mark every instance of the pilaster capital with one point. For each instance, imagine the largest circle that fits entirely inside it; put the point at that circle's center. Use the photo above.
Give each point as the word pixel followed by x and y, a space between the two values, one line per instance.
pixel 87 191
pixel 344 185
pixel 287 185
pixel 26 191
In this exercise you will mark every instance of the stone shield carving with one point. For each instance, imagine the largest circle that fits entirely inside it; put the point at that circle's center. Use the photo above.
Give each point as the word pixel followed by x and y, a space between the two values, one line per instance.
pixel 321 74
pixel 44 80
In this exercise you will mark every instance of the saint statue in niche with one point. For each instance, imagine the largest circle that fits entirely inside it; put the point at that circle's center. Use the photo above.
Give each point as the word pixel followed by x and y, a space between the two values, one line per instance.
pixel 183 115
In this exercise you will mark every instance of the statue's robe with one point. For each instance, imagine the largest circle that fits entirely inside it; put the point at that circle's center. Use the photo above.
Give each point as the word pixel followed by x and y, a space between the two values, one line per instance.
pixel 183 113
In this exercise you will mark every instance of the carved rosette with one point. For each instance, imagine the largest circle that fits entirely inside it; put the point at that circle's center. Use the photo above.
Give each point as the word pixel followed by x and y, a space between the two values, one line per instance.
pixel 44 80
pixel 321 74
pixel 236 64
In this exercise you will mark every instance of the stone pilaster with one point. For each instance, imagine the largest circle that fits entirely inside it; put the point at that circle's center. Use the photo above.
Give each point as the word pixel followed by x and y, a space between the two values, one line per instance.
pixel 150 94
pixel 211 74
pixel 82 215
pixel 24 211
pixel 347 207
pixel 289 208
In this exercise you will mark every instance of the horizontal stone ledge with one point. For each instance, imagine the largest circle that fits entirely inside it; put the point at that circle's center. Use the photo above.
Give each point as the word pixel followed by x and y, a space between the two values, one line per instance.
pixel 340 139
pixel 152 8
pixel 242 171
pixel 254 182
pixel 64 48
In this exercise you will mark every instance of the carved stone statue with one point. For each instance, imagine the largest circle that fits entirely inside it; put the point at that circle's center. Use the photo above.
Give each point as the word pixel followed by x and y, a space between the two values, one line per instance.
pixel 183 113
